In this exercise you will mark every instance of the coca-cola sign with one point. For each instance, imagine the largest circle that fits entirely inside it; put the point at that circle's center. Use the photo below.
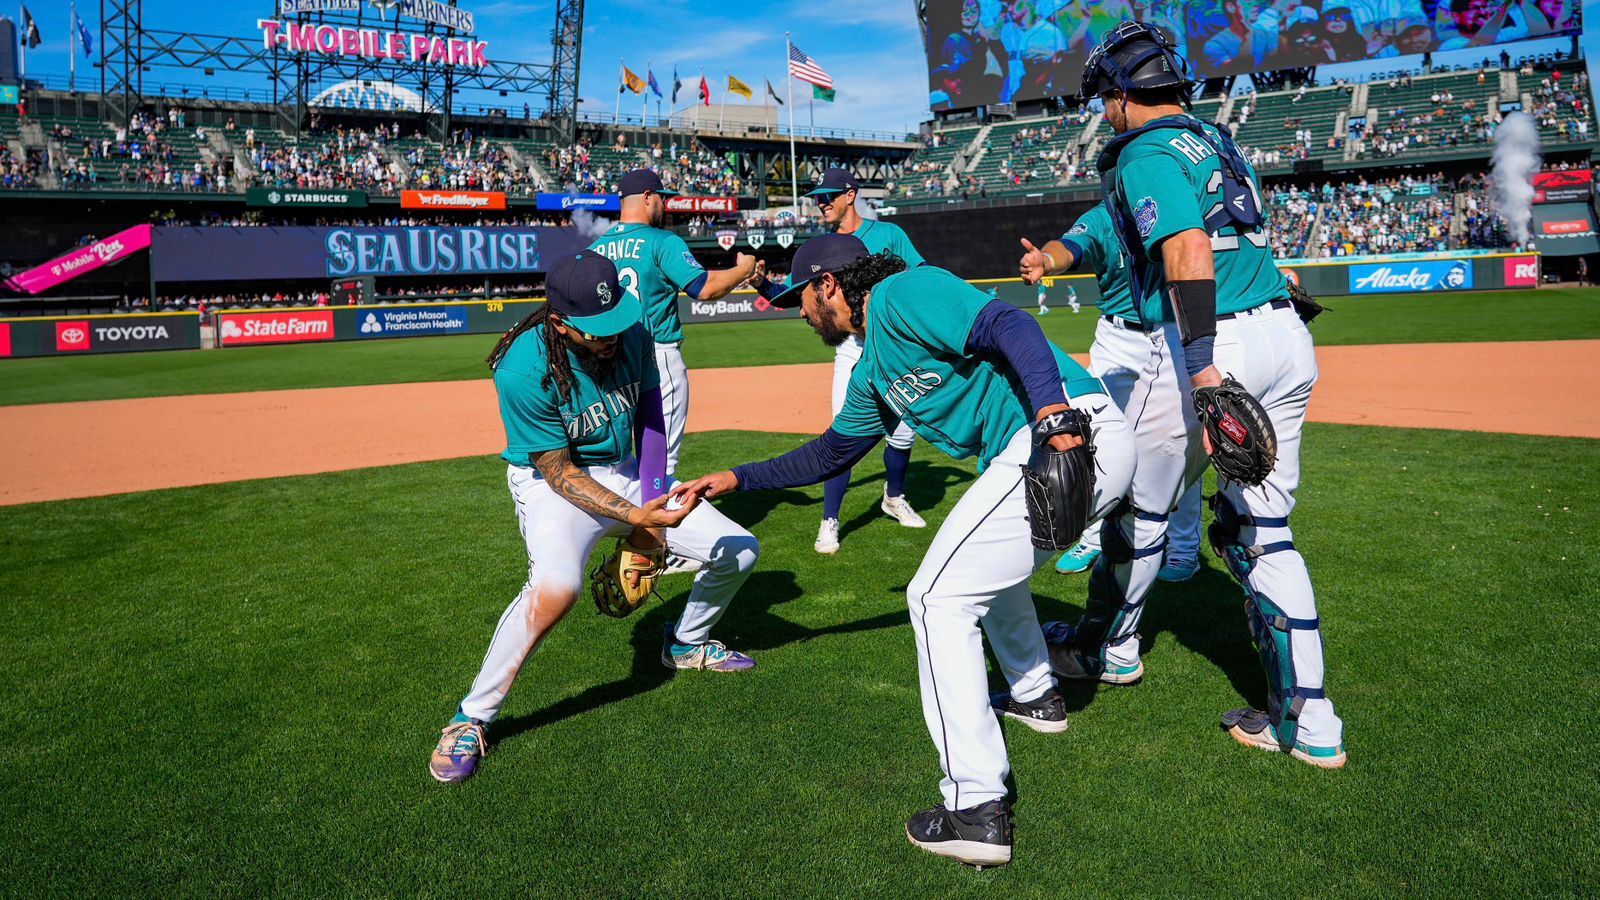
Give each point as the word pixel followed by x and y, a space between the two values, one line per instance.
pixel 703 204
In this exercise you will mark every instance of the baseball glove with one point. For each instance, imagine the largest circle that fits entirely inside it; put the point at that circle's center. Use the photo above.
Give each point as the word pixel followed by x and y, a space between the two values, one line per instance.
pixel 609 582
pixel 1244 446
pixel 1059 487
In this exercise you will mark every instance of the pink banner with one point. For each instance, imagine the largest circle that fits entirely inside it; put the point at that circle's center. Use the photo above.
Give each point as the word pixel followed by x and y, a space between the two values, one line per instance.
pixel 84 259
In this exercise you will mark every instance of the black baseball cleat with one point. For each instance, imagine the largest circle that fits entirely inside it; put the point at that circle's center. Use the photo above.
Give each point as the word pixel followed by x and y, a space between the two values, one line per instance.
pixel 980 836
pixel 1047 714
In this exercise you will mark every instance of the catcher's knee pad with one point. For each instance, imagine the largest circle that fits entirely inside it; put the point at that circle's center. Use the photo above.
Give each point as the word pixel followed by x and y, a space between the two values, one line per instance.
pixel 1273 633
pixel 1224 537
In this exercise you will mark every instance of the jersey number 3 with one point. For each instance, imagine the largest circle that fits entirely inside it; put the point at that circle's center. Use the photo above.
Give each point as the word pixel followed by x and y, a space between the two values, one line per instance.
pixel 629 279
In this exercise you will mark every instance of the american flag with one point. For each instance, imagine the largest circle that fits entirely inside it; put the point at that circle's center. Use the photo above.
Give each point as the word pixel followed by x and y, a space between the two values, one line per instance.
pixel 806 69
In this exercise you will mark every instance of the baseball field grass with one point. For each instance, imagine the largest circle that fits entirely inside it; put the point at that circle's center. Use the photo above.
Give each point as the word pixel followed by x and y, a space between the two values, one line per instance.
pixel 1547 314
pixel 233 690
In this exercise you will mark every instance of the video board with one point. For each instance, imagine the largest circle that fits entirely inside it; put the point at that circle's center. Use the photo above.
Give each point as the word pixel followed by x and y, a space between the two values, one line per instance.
pixel 982 52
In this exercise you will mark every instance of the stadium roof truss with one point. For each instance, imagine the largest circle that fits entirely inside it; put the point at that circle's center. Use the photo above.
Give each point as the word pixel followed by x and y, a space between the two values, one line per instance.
pixel 130 50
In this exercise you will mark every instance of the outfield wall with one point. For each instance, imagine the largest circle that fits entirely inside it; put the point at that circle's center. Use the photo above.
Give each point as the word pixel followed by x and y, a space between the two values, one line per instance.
pixel 357 323
pixel 25 336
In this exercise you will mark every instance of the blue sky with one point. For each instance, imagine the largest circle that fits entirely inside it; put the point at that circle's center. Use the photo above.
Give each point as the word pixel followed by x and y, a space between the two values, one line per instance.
pixel 872 48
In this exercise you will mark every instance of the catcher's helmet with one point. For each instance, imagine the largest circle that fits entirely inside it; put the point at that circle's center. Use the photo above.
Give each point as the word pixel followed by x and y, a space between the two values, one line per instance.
pixel 1133 57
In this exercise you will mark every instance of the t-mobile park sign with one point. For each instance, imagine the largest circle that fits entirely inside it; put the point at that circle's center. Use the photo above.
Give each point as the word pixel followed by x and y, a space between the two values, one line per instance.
pixel 370 43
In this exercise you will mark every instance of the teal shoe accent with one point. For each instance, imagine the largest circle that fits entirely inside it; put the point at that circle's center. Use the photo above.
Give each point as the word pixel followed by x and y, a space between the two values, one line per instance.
pixel 1078 559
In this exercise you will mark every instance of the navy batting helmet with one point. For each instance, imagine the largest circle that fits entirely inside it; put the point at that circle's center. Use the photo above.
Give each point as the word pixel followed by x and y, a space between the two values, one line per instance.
pixel 1133 57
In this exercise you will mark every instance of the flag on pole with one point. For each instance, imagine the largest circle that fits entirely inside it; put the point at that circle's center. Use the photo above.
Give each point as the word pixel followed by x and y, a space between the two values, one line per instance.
pixel 677 84
pixel 807 69
pixel 705 92
pixel 30 30
pixel 83 34
pixel 826 95
pixel 773 93
pixel 735 86
pixel 654 88
pixel 631 81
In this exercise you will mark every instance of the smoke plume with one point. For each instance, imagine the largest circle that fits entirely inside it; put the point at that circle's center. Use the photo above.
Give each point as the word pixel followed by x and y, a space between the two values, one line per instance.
pixel 589 225
pixel 1516 159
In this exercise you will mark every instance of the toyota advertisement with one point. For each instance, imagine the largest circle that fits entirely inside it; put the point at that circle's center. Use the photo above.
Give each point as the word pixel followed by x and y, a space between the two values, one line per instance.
pixel 78 335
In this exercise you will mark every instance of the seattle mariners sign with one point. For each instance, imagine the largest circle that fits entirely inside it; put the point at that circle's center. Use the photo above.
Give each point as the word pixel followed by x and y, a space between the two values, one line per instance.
pixel 433 11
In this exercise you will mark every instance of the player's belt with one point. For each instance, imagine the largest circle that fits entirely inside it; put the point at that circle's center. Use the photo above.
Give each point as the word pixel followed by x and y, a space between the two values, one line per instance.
pixel 1276 304
pixel 1125 324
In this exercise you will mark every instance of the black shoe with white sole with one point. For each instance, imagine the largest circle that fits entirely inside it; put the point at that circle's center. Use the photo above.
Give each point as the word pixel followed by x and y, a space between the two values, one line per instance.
pixel 1047 714
pixel 980 836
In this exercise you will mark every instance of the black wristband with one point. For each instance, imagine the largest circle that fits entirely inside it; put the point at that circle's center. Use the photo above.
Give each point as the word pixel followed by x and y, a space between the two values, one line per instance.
pixel 1194 305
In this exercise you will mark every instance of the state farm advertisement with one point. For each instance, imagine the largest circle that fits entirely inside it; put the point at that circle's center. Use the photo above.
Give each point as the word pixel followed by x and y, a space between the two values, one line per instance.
pixel 63 269
pixel 468 200
pixel 1522 271
pixel 298 326
pixel 703 204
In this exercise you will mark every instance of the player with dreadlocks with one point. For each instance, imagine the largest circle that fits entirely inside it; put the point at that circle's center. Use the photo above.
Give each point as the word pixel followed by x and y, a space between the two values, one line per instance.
pixel 580 398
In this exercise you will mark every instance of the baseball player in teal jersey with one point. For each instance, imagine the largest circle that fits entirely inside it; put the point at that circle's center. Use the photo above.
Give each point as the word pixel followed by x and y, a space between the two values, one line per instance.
pixel 586 458
pixel 654 265
pixel 1186 208
pixel 1120 350
pixel 837 196
pixel 970 375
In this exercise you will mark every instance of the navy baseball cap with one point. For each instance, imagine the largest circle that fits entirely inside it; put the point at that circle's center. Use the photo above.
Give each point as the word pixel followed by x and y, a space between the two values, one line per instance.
pixel 823 253
pixel 834 181
pixel 640 180
pixel 583 290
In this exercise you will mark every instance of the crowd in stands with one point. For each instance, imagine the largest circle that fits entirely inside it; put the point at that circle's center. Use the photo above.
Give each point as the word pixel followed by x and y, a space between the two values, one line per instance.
pixel 571 169
pixel 1563 107
pixel 341 159
pixel 265 218
pixel 1393 215
pixel 19 172
pixel 144 155
pixel 465 165
pixel 695 170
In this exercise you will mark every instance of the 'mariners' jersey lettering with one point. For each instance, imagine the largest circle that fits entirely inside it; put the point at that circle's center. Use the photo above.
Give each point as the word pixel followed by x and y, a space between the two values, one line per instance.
pixel 908 388
pixel 599 414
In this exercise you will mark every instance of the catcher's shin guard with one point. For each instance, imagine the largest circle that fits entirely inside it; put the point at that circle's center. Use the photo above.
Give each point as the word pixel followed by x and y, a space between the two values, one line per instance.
pixel 1271 628
pixel 1109 617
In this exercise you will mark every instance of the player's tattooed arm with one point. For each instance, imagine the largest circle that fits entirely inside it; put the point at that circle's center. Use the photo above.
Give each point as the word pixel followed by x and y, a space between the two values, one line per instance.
pixel 575 485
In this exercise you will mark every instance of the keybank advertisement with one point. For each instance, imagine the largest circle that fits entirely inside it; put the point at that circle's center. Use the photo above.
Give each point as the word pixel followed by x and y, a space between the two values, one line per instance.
pixel 1411 277
pixel 245 254
pixel 412 322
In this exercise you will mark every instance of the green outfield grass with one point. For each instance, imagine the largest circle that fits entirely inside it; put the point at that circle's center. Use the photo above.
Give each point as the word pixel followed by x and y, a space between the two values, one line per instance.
pixel 1550 314
pixel 233 690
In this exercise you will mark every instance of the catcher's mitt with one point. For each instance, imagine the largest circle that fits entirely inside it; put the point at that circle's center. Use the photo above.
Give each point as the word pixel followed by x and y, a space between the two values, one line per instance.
pixel 1244 446
pixel 1059 486
pixel 609 583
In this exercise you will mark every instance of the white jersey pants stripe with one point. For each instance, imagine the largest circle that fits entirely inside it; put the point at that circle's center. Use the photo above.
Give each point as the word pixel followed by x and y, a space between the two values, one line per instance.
pixel 674 399
pixel 1116 358
pixel 560 537
pixel 976 573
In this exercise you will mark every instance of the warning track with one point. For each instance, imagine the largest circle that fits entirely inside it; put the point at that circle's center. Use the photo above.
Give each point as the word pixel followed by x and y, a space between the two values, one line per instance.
pixel 65 450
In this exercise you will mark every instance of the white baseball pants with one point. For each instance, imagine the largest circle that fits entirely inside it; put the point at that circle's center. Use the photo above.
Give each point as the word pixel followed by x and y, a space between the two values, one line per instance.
pixel 674 398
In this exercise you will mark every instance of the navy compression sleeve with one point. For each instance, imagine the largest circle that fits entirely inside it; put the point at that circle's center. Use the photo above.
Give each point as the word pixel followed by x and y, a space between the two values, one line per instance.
pixel 818 460
pixel 769 289
pixel 1004 331
pixel 694 287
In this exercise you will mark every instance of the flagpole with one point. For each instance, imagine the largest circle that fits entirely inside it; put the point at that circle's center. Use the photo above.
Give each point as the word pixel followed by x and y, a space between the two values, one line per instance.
pixel 72 56
pixel 22 57
pixel 644 95
pixel 722 105
pixel 794 175
pixel 811 109
pixel 697 99
pixel 616 115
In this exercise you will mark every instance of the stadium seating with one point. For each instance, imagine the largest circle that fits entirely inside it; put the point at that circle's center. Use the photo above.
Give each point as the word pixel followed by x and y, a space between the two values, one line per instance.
pixel 1270 123
pixel 1431 114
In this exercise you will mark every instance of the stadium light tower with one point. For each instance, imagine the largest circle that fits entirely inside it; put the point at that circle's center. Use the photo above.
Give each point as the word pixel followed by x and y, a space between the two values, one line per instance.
pixel 121 57
pixel 567 44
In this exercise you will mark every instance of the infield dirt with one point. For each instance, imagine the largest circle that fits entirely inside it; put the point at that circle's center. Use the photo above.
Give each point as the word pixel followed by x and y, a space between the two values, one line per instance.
pixel 66 450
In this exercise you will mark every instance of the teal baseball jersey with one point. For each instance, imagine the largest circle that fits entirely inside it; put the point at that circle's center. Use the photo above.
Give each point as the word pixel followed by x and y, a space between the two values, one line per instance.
pixel 915 368
pixel 1168 180
pixel 1093 240
pixel 880 236
pixel 596 422
pixel 653 265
